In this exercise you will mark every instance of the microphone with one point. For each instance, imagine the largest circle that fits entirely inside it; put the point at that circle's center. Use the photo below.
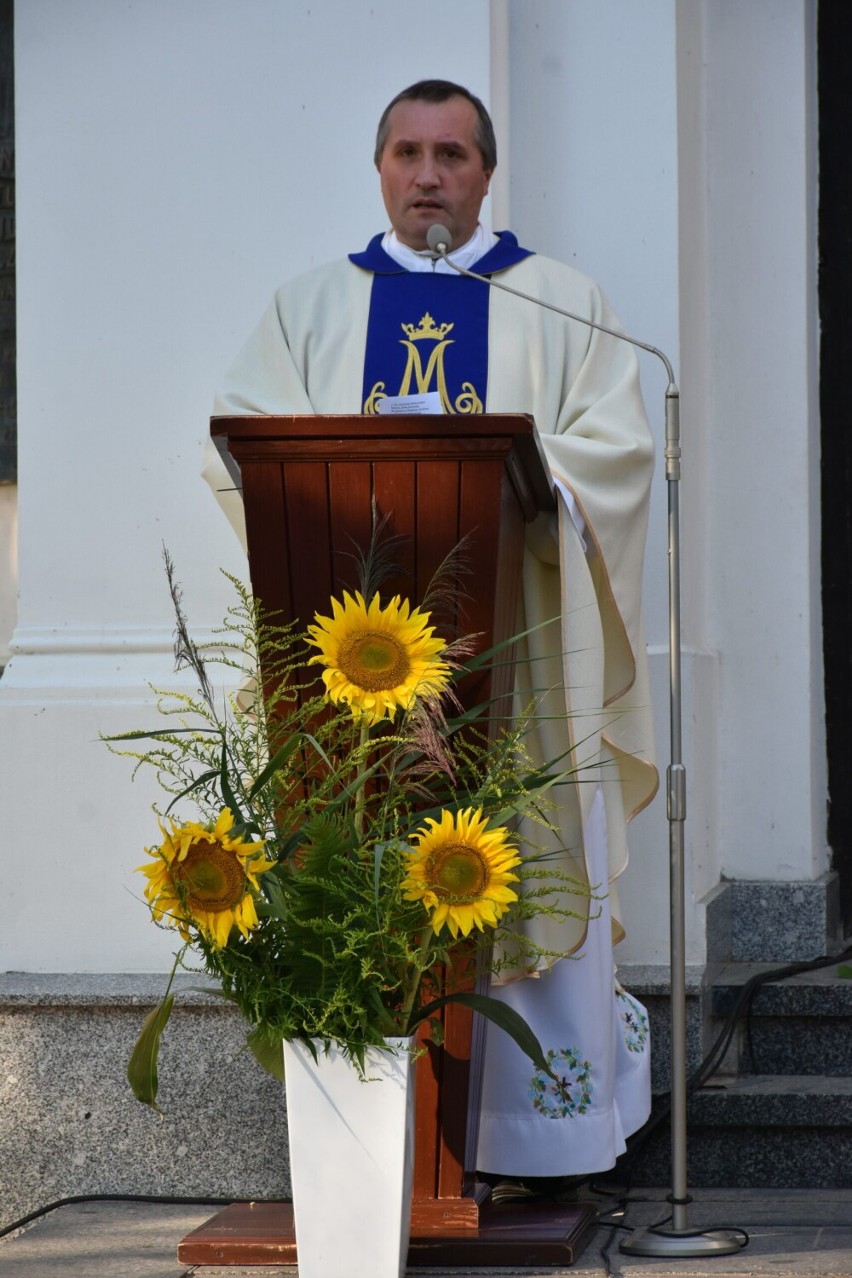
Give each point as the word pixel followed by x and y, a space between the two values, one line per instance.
pixel 439 240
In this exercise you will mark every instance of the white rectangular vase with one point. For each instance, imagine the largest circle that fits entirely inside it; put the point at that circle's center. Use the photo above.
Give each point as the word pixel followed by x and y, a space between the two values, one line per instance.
pixel 351 1160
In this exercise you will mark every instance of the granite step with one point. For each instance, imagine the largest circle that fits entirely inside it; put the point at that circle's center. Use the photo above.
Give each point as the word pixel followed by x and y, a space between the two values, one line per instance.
pixel 651 984
pixel 778 1110
pixel 799 1026
pixel 775 1131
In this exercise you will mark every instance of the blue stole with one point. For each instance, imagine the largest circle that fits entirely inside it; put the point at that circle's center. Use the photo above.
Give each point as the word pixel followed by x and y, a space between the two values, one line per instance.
pixel 429 332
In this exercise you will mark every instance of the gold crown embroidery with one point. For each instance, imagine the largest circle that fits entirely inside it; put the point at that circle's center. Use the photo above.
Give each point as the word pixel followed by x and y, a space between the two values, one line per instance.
pixel 428 330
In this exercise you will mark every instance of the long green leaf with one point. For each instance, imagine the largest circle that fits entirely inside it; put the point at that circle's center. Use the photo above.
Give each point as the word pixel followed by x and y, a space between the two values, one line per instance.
pixel 378 856
pixel 142 1066
pixel 348 788
pixel 267 1051
pixel 200 780
pixel 225 784
pixel 159 733
pixel 480 659
pixel 277 761
pixel 506 1017
pixel 521 801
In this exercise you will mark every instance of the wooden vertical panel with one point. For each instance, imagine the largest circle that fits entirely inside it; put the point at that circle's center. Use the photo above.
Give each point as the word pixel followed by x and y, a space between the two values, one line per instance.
pixel 455 1082
pixel 395 490
pixel 266 530
pixel 350 495
pixel 480 485
pixel 510 553
pixel 486 491
pixel 437 527
pixel 427 1117
pixel 306 487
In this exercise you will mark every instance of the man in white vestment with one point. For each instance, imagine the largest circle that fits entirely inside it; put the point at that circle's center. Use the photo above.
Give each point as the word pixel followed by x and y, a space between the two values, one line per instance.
pixel 331 342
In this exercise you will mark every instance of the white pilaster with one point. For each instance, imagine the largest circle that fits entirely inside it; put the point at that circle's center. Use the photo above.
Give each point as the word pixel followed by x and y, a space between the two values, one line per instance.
pixel 749 320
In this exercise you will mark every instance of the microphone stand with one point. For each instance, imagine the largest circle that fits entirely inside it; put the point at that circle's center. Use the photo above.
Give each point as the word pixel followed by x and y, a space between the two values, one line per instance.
pixel 678 1240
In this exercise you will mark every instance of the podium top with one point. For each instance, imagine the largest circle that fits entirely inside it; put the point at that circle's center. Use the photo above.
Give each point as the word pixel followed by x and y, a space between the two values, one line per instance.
pixel 511 435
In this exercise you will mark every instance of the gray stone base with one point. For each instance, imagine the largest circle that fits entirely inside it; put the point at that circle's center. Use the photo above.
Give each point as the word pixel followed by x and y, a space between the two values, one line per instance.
pixel 770 922
pixel 70 1125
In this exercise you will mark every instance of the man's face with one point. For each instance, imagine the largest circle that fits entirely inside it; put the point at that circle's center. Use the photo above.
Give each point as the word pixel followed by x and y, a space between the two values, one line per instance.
pixel 432 171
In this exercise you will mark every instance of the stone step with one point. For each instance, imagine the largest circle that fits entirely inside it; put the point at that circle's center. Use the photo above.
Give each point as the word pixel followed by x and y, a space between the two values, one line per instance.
pixel 778 1111
pixel 801 1025
pixel 651 984
pixel 758 1130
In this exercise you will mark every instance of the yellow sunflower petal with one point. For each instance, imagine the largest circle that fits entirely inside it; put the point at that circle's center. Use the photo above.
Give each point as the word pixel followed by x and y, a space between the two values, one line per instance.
pixel 224 822
pixel 461 870
pixel 204 879
pixel 377 660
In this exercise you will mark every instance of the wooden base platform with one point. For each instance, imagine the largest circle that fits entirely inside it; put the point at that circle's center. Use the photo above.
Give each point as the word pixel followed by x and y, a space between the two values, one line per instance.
pixel 527 1234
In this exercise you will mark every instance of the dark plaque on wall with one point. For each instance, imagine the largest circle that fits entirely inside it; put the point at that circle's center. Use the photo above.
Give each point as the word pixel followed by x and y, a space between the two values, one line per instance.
pixel 8 385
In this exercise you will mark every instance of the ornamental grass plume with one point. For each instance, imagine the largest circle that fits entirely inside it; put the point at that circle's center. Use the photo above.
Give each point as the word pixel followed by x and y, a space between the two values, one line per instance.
pixel 351 827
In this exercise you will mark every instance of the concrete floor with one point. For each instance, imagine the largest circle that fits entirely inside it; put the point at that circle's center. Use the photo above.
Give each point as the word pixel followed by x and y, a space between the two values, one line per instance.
pixel 791 1232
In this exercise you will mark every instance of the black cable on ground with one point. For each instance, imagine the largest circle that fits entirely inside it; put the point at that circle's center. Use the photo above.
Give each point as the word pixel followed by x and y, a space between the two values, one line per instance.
pixel 164 1199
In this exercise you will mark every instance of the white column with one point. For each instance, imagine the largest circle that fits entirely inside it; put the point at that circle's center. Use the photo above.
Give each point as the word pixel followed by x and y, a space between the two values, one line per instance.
pixel 749 321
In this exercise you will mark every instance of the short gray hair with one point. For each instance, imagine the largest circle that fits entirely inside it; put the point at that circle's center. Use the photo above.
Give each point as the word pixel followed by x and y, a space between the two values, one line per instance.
pixel 440 91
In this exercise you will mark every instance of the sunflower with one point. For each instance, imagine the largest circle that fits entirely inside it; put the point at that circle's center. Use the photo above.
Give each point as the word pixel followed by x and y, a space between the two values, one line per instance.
pixel 378 660
pixel 205 878
pixel 461 871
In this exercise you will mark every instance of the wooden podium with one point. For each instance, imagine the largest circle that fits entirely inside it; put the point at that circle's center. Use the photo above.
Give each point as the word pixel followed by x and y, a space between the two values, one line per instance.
pixel 309 485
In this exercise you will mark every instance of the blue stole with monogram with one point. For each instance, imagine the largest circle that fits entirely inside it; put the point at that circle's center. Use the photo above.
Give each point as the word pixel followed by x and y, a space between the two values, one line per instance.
pixel 429 332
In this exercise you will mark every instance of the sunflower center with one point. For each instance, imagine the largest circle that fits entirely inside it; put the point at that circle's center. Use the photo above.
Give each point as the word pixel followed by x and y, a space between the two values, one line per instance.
pixel 458 872
pixel 374 661
pixel 210 878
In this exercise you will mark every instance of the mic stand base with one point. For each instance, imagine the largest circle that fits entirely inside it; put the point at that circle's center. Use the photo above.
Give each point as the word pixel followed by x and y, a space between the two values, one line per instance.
pixel 673 1244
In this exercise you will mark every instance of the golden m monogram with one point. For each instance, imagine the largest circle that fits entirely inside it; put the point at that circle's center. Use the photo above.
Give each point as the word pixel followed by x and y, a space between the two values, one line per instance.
pixel 419 381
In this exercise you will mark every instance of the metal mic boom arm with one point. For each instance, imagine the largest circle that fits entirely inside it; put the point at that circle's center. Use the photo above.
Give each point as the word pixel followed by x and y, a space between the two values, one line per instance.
pixel 439 242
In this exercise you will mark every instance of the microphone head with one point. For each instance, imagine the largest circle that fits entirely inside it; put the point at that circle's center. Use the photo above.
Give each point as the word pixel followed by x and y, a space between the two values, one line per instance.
pixel 439 239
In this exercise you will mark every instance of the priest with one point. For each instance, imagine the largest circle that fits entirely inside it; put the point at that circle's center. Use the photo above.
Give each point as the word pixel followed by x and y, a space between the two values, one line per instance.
pixel 392 322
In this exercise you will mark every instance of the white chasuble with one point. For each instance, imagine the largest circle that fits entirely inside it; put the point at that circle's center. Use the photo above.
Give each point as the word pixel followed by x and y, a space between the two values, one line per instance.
pixel 309 354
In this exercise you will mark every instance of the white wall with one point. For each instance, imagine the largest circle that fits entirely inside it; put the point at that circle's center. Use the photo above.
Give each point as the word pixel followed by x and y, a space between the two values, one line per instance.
pixel 177 160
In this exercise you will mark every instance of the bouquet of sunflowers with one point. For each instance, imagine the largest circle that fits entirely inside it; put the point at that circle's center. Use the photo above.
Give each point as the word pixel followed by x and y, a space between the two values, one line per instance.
pixel 352 852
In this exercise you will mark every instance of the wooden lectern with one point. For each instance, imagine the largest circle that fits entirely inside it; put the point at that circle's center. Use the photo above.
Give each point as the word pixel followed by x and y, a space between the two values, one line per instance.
pixel 309 484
